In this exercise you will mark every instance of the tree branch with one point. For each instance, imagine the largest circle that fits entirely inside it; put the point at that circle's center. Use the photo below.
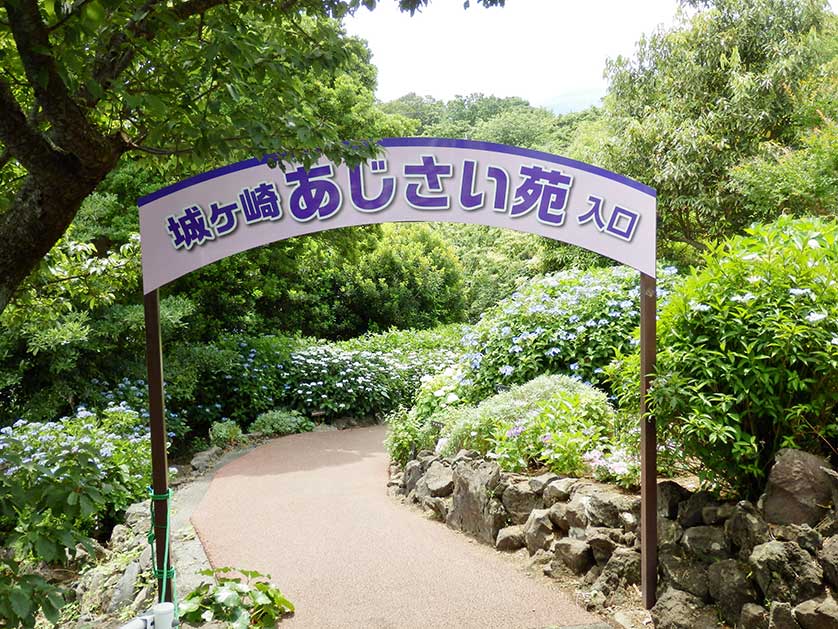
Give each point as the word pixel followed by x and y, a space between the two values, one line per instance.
pixel 23 142
pixel 119 52
pixel 153 150
pixel 70 128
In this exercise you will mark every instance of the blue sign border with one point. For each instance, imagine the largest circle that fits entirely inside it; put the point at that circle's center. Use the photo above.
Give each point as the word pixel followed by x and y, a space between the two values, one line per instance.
pixel 428 142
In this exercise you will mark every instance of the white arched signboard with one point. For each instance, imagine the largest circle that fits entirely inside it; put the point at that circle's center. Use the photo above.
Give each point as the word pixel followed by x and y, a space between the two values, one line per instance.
pixel 211 216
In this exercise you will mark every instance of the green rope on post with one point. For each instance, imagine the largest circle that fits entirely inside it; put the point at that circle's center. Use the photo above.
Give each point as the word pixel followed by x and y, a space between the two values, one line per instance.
pixel 166 574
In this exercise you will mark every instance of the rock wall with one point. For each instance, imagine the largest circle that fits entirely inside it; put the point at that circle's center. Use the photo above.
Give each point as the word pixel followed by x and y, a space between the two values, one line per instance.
pixel 720 562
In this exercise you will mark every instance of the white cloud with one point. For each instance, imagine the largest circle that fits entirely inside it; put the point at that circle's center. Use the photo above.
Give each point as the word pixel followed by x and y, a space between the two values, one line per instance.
pixel 551 52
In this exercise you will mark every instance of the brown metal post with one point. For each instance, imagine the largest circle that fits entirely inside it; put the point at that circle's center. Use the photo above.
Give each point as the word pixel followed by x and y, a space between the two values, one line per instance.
pixel 648 444
pixel 159 459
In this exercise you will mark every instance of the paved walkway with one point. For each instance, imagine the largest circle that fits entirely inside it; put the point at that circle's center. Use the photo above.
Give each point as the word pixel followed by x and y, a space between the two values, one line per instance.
pixel 311 510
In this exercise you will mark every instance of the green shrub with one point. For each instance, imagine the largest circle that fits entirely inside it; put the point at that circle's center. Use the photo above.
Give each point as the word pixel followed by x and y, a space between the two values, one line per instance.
pixel 408 435
pixel 249 602
pixel 226 433
pixel 411 279
pixel 415 353
pixel 60 482
pixel 748 353
pixel 552 421
pixel 241 377
pixel 571 322
pixel 281 422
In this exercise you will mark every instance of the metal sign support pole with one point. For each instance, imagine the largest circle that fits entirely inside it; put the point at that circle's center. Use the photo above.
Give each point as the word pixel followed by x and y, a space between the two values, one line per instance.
pixel 159 461
pixel 648 444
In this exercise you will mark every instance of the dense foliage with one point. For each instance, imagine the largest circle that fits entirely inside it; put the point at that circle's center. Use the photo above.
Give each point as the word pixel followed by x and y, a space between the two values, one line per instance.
pixel 730 114
pixel 281 422
pixel 249 600
pixel 59 483
pixel 729 87
pixel 553 422
pixel 748 353
pixel 567 322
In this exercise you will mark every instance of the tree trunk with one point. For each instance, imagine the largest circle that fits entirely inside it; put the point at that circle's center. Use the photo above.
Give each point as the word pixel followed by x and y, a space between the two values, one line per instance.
pixel 43 208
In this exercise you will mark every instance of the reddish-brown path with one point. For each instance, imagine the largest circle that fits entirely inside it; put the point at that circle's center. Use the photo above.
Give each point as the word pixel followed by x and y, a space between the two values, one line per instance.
pixel 312 511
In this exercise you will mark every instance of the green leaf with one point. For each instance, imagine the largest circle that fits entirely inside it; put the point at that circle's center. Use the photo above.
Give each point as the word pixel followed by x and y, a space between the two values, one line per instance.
pixel 227 596
pixel 94 13
pixel 20 602
pixel 51 605
pixel 46 549
pixel 87 506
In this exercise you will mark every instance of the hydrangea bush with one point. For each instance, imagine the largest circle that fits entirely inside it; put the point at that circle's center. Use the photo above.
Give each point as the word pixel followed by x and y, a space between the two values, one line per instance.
pixel 570 322
pixel 555 422
pixel 239 377
pixel 60 482
pixel 281 422
pixel 748 353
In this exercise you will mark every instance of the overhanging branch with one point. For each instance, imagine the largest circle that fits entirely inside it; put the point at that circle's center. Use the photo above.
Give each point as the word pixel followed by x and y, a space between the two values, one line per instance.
pixel 71 129
pixel 21 141
pixel 119 51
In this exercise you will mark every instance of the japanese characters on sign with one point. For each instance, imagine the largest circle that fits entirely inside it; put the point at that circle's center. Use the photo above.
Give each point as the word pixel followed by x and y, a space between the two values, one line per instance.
pixel 223 212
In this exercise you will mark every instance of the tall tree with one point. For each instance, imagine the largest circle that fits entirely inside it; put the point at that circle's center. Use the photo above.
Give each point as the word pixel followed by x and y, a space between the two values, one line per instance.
pixel 83 83
pixel 698 100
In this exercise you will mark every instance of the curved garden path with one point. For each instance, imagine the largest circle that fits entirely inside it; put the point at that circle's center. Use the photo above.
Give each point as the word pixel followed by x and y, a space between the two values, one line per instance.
pixel 312 511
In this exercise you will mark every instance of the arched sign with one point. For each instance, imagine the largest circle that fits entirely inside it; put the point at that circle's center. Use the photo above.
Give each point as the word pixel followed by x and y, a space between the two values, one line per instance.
pixel 222 212
pixel 211 216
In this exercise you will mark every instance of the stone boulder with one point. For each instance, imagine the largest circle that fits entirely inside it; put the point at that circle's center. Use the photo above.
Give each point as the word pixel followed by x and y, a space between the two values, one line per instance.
pixel 138 515
pixel 680 610
pixel 538 530
pixel 539 483
pixel 558 516
pixel 798 489
pixel 781 616
pixel 819 613
pixel 426 458
pixel 622 570
pixel 439 508
pixel 440 480
pixel 730 586
pixel 706 543
pixel 808 538
pixel 717 514
pixel 670 495
pixel 828 556
pixel 683 574
pixel 607 508
pixel 603 541
pixel 786 573
pixel 690 512
pixel 474 510
pixel 575 554
pixel 519 499
pixel 511 538
pixel 465 455
pixel 753 616
pixel 745 529
pixel 123 593
pixel 201 462
pixel 576 511
pixel 669 532
pixel 558 491
pixel 412 474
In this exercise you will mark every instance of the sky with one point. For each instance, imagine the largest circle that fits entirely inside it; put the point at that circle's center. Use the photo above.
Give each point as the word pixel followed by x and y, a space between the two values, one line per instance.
pixel 550 52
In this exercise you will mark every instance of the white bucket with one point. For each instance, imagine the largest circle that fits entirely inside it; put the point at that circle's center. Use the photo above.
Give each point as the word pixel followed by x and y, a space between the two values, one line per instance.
pixel 164 614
